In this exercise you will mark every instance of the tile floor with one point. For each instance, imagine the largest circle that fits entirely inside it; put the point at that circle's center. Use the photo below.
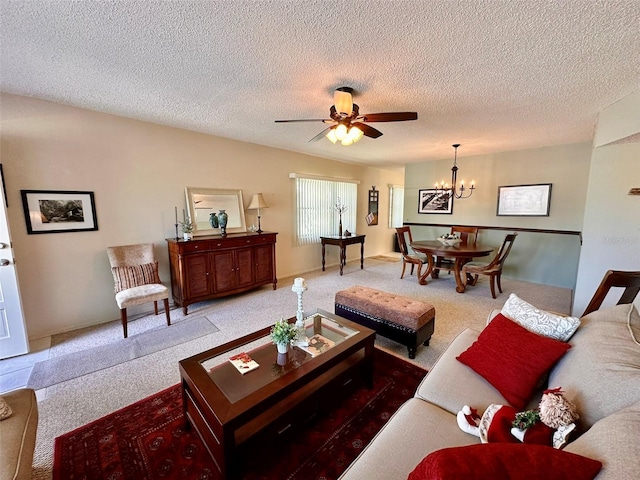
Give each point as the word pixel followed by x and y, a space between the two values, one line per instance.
pixel 15 371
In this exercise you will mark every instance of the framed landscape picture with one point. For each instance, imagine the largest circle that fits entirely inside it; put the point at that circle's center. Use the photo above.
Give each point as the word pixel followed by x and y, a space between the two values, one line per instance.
pixel 54 211
pixel 431 200
pixel 524 200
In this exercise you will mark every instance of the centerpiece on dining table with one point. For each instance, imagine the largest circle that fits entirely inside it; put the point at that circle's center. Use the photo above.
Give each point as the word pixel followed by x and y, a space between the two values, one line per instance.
pixel 450 239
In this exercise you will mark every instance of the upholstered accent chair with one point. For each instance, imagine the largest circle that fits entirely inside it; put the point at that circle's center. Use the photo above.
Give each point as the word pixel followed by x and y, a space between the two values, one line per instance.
pixel 493 269
pixel 136 279
pixel 408 255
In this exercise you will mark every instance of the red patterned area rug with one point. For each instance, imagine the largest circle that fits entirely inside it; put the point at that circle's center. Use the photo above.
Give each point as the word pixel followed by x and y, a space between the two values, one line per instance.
pixel 147 440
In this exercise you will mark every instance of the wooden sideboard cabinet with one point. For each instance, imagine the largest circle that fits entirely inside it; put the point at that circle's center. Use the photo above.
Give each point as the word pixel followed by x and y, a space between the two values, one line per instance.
pixel 216 266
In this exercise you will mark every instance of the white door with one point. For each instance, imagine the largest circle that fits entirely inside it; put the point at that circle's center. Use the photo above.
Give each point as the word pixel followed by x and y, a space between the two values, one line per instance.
pixel 13 332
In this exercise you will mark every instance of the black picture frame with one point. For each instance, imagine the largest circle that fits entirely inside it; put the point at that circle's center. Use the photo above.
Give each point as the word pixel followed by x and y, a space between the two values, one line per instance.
pixel 532 200
pixel 438 201
pixel 58 211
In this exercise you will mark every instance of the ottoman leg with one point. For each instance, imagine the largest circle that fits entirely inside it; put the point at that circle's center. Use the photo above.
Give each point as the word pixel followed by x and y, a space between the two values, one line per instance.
pixel 412 351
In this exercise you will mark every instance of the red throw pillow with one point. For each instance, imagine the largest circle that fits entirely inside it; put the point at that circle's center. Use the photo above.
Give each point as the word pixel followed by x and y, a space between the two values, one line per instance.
pixel 512 358
pixel 505 461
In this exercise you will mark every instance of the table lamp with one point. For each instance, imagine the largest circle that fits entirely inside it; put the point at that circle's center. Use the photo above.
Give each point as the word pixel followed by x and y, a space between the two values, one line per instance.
pixel 257 202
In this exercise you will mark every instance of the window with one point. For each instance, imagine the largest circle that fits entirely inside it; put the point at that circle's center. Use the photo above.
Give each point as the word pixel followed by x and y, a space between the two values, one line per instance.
pixel 315 212
pixel 396 205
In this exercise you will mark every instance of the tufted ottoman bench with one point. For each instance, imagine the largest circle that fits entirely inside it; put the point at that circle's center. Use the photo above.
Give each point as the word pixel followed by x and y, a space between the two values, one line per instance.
pixel 403 319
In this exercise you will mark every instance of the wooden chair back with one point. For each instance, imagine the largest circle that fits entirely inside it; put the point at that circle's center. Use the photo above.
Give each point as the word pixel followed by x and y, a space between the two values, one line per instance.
pixel 498 260
pixel 468 235
pixel 402 233
pixel 630 281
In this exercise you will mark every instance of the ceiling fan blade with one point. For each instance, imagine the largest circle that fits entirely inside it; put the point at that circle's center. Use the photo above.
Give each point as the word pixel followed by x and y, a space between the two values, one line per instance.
pixel 343 101
pixel 306 120
pixel 321 134
pixel 390 117
pixel 368 130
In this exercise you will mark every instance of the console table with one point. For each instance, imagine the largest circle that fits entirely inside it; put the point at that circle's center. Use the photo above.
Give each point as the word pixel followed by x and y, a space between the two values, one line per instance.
pixel 342 242
pixel 215 266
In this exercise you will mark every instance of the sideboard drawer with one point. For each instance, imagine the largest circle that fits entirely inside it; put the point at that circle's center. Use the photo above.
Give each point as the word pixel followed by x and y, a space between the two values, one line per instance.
pixel 196 246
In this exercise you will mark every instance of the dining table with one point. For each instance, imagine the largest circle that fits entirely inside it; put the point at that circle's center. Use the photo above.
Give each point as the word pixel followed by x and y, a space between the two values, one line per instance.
pixel 462 253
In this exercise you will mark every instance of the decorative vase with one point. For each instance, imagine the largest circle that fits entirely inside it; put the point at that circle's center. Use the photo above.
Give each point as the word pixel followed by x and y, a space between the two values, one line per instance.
pixel 282 359
pixel 222 221
pixel 340 226
pixel 283 347
pixel 213 220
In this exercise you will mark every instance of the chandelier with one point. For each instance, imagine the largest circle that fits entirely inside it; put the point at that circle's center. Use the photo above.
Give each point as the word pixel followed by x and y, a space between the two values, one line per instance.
pixel 457 192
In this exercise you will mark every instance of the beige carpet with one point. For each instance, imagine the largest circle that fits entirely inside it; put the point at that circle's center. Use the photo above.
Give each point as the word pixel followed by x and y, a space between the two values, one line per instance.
pixel 76 402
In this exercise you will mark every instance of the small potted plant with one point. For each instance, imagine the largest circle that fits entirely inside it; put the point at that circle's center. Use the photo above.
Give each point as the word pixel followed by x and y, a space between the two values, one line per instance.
pixel 187 229
pixel 282 333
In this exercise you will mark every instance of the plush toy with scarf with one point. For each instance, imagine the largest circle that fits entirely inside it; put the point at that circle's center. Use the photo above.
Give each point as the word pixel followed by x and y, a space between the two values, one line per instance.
pixel 550 424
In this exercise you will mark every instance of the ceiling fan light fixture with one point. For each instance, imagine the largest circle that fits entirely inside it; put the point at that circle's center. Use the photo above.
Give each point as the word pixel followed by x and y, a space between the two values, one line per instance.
pixel 341 132
pixel 331 135
pixel 355 134
pixel 343 100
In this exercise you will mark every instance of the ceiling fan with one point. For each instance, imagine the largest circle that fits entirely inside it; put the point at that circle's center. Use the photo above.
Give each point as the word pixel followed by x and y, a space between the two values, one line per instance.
pixel 347 125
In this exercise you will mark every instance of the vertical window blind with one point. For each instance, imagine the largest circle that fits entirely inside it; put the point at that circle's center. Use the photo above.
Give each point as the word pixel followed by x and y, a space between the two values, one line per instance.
pixel 315 206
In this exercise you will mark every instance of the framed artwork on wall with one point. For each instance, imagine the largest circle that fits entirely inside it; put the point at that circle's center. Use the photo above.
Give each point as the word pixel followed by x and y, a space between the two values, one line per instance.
pixel 431 200
pixel 55 211
pixel 524 200
pixel 372 216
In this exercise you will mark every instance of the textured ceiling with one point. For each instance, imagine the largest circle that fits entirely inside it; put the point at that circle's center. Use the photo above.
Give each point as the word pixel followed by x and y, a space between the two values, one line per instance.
pixel 491 75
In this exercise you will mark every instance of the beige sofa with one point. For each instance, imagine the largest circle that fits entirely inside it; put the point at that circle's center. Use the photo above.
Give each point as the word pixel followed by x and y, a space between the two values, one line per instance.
pixel 600 374
pixel 18 435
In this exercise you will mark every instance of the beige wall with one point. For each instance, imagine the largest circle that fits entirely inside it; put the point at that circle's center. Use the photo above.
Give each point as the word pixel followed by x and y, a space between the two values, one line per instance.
pixel 138 172
pixel 550 259
pixel 612 216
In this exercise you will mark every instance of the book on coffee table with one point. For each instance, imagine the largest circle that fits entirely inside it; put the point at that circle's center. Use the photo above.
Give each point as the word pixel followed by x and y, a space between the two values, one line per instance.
pixel 243 362
pixel 317 345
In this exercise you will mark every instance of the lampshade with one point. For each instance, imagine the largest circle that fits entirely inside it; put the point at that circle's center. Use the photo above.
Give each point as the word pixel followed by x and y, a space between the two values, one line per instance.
pixel 257 202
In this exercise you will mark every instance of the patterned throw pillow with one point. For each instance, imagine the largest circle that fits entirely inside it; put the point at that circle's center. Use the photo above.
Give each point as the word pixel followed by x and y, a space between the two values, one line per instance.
pixel 129 277
pixel 538 321
pixel 5 409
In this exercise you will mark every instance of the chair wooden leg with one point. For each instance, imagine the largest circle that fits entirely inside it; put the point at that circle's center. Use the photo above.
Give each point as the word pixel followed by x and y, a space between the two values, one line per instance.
pixel 166 310
pixel 155 306
pixel 498 280
pixel 404 265
pixel 493 288
pixel 412 265
pixel 419 270
pixel 123 317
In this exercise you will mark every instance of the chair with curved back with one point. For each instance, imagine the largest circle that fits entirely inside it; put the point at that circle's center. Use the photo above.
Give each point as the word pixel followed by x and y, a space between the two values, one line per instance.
pixel 136 279
pixel 409 256
pixel 467 235
pixel 630 281
pixel 493 269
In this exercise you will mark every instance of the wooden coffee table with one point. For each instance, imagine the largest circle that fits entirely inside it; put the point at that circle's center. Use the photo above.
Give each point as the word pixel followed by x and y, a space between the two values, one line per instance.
pixel 227 408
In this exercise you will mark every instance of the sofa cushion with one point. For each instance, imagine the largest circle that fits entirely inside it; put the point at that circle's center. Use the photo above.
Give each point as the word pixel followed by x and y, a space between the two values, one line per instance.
pixel 601 374
pixel 512 358
pixel 18 434
pixel 539 321
pixel 505 461
pixel 415 430
pixel 614 441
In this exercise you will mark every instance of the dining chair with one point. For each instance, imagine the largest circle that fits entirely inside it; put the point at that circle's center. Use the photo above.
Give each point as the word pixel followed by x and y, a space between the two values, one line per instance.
pixel 493 269
pixel 408 255
pixel 136 279
pixel 630 281
pixel 467 235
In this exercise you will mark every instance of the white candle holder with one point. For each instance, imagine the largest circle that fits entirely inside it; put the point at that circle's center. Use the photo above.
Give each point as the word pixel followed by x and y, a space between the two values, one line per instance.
pixel 299 287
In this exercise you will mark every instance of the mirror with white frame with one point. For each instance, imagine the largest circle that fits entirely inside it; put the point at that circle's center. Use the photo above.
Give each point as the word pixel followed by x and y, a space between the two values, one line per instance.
pixel 202 202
